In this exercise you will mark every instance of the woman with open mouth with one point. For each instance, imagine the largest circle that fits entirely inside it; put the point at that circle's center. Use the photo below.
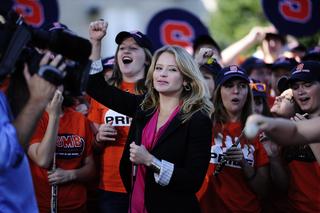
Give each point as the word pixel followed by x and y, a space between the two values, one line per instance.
pixel 132 61
pixel 245 176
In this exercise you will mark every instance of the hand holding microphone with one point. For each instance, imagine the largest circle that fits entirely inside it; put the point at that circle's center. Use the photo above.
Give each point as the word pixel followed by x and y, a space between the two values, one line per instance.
pixel 139 118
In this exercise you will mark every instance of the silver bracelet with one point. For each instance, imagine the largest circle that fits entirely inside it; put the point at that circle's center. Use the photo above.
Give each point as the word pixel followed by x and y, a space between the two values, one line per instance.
pixel 155 165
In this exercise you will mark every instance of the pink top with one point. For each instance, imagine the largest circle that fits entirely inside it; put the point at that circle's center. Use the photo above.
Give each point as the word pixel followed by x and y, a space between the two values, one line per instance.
pixel 149 139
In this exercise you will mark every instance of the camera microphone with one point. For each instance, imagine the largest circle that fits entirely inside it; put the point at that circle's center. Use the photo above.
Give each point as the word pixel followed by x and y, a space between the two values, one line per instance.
pixel 61 42
pixel 70 46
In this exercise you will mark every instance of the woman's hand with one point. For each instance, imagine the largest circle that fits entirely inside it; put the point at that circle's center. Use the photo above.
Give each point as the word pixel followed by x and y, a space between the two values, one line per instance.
pixel 59 176
pixel 54 106
pixel 107 132
pixel 298 117
pixel 203 56
pixel 271 148
pixel 97 30
pixel 235 154
pixel 83 108
pixel 140 155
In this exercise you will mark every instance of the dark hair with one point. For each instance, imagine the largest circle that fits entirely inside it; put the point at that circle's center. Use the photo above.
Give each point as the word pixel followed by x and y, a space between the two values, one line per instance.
pixel 205 39
pixel 68 101
pixel 266 107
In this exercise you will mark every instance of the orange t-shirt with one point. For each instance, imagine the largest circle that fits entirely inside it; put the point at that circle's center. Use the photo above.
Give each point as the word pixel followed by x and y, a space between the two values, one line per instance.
pixel 304 190
pixel 74 144
pixel 230 191
pixel 110 159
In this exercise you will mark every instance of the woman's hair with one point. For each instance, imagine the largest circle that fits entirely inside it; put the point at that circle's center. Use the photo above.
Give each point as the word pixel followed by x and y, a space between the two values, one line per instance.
pixel 196 99
pixel 116 78
pixel 266 107
pixel 221 116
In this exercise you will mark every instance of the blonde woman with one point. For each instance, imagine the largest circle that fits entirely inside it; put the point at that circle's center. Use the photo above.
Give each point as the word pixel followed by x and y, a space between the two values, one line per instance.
pixel 175 149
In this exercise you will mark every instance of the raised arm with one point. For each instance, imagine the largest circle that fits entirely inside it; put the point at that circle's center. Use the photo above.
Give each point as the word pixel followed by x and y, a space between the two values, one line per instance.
pixel 42 153
pixel 285 132
pixel 230 54
pixel 97 30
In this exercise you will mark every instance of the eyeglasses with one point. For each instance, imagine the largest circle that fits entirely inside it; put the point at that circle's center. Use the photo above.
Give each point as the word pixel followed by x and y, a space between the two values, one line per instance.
pixel 260 87
pixel 211 60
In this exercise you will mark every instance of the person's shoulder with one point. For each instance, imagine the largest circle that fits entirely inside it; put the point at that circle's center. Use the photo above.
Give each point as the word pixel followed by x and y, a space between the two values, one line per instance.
pixel 201 117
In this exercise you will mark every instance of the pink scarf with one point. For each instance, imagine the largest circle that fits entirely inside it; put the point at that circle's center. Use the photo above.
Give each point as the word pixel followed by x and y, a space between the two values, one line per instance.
pixel 149 139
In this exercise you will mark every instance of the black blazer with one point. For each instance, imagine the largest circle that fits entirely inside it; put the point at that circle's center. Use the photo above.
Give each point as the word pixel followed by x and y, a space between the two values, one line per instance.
pixel 186 145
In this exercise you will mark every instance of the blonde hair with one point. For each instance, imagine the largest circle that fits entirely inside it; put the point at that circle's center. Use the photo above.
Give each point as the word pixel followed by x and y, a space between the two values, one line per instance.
pixel 197 99
pixel 221 116
pixel 116 77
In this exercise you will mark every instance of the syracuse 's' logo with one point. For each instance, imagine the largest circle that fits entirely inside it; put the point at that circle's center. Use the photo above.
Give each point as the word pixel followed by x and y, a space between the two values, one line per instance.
pixel 233 69
pixel 300 69
pixel 177 32
pixel 299 11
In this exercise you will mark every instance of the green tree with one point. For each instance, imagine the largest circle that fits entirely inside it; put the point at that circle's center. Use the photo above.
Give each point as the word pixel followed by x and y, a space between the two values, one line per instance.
pixel 234 19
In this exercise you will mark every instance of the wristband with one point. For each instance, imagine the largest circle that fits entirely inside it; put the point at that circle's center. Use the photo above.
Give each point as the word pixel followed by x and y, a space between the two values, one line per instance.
pixel 244 164
pixel 155 165
pixel 253 176
pixel 95 137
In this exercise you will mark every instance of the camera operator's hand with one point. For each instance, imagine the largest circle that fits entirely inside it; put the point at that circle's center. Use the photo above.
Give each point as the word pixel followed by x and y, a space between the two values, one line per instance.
pixel 40 89
pixel 97 30
pixel 41 92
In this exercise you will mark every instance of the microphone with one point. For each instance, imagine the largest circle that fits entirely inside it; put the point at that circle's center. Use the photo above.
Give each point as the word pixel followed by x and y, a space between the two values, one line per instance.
pixel 140 118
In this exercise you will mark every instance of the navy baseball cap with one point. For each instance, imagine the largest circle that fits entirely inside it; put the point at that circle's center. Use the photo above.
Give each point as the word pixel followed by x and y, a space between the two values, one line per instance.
pixel 58 26
pixel 307 71
pixel 284 62
pixel 252 62
pixel 108 62
pixel 142 39
pixel 229 72
pixel 55 26
pixel 260 86
pixel 282 84
pixel 313 51
pixel 213 66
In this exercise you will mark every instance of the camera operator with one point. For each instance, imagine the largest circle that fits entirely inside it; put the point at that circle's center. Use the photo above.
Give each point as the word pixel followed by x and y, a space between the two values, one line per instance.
pixel 16 188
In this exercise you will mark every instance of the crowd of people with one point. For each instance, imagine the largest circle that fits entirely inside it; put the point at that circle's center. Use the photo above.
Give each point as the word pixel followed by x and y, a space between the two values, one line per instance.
pixel 163 130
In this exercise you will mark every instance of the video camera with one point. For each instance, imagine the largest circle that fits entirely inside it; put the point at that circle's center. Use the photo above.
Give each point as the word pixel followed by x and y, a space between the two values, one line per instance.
pixel 17 46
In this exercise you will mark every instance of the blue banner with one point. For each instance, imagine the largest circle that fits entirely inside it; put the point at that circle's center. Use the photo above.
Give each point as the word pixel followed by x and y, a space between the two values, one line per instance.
pixel 36 12
pixel 175 27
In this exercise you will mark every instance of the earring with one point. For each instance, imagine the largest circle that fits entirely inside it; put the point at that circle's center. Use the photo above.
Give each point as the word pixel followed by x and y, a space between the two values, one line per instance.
pixel 146 63
pixel 187 87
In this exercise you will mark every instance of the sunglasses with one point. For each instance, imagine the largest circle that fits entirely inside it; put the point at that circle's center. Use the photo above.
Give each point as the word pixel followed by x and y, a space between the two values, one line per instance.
pixel 260 87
